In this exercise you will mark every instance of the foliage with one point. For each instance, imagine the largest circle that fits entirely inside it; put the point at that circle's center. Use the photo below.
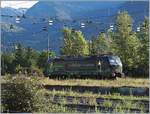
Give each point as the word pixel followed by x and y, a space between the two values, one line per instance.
pixel 42 59
pixel 19 55
pixel 28 57
pixel 100 45
pixel 126 42
pixel 25 94
pixel 18 94
pixel 7 63
pixel 24 60
pixel 74 43
pixel 143 36
pixel 131 47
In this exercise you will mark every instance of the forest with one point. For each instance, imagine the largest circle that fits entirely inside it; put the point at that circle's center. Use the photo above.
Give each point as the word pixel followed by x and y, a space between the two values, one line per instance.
pixel 131 46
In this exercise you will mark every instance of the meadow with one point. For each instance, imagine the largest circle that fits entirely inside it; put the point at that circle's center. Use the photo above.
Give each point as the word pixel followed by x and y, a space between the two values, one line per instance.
pixel 62 100
pixel 120 82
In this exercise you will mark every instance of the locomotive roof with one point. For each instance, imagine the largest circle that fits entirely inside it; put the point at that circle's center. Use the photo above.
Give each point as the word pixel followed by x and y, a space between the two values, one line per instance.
pixel 80 57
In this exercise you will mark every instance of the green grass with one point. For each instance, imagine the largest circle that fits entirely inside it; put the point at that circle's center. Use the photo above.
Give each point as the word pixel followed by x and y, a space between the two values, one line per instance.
pixel 130 82
pixel 123 105
pixel 94 95
pixel 120 107
pixel 121 82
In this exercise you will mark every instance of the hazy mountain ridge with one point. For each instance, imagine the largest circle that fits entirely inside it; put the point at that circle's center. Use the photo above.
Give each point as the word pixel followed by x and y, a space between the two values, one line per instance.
pixel 64 11
pixel 11 12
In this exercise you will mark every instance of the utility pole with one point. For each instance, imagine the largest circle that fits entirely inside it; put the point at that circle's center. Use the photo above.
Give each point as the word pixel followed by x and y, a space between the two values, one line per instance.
pixel 90 47
pixel 50 22
pixel 48 45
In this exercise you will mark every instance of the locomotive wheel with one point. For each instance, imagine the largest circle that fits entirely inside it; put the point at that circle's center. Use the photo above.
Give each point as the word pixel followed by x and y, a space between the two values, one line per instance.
pixel 115 78
pixel 103 77
pixel 122 75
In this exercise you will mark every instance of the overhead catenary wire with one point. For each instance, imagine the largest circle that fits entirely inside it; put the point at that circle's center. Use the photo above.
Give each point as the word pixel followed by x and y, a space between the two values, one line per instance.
pixel 74 23
pixel 85 20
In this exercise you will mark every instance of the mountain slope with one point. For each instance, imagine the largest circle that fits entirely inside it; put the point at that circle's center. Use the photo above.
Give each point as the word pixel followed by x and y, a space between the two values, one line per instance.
pixel 11 12
pixel 68 10
pixel 101 14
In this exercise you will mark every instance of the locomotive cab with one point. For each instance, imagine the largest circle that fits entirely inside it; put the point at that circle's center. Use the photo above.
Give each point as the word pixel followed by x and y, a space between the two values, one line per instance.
pixel 115 66
pixel 110 66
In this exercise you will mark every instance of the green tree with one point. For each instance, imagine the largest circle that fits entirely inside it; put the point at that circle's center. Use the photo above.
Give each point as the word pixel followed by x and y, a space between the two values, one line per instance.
pixel 67 43
pixel 101 44
pixel 126 42
pixel 74 43
pixel 19 55
pixel 143 36
pixel 28 57
pixel 19 60
pixel 7 63
pixel 25 58
pixel 80 45
pixel 43 59
pixel 31 57
pixel 30 60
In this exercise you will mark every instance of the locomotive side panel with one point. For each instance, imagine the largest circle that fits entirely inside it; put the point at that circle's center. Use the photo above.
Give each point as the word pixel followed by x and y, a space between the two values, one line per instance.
pixel 81 67
pixel 101 66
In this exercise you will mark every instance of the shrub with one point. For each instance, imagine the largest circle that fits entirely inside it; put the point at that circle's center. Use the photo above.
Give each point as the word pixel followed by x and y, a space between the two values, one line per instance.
pixel 25 94
pixel 19 94
pixel 37 71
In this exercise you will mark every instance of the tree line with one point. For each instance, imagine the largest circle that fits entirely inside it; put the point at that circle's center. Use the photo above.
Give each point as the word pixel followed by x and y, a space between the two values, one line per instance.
pixel 132 47
pixel 24 60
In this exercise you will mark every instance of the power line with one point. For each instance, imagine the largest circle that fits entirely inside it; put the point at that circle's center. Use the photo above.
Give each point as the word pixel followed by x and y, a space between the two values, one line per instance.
pixel 85 20
pixel 82 23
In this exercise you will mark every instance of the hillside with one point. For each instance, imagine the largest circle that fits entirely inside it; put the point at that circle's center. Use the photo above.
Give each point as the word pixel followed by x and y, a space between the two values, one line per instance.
pixel 102 14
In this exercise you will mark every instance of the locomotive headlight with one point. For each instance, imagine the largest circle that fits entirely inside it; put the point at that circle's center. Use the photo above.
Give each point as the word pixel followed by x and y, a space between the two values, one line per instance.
pixel 99 63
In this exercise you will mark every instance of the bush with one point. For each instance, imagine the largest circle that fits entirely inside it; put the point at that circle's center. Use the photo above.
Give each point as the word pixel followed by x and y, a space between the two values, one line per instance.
pixel 25 94
pixel 37 71
pixel 19 94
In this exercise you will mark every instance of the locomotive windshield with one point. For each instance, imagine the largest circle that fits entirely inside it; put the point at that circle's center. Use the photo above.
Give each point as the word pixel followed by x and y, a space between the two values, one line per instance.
pixel 114 60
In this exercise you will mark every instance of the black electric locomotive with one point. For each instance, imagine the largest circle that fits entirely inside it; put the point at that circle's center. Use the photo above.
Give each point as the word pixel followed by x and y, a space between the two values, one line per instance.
pixel 101 66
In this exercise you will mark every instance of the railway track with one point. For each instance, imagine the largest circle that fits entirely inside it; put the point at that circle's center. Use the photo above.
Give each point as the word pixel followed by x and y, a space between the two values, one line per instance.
pixel 136 91
pixel 92 109
pixel 83 104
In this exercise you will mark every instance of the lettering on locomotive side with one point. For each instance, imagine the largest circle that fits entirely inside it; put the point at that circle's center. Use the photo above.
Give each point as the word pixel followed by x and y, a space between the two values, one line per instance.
pixel 80 65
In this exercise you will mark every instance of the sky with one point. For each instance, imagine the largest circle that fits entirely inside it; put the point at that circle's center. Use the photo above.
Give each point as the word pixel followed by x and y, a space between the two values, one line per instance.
pixel 18 4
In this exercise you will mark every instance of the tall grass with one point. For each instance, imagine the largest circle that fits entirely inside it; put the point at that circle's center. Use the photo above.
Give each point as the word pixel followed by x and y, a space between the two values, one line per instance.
pixel 130 82
pixel 98 95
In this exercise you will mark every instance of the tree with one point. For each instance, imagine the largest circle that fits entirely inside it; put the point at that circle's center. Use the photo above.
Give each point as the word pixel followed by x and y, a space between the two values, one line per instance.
pixel 43 59
pixel 19 60
pixel 143 36
pixel 19 54
pixel 28 57
pixel 74 43
pixel 67 46
pixel 7 63
pixel 101 44
pixel 80 45
pixel 25 58
pixel 126 42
